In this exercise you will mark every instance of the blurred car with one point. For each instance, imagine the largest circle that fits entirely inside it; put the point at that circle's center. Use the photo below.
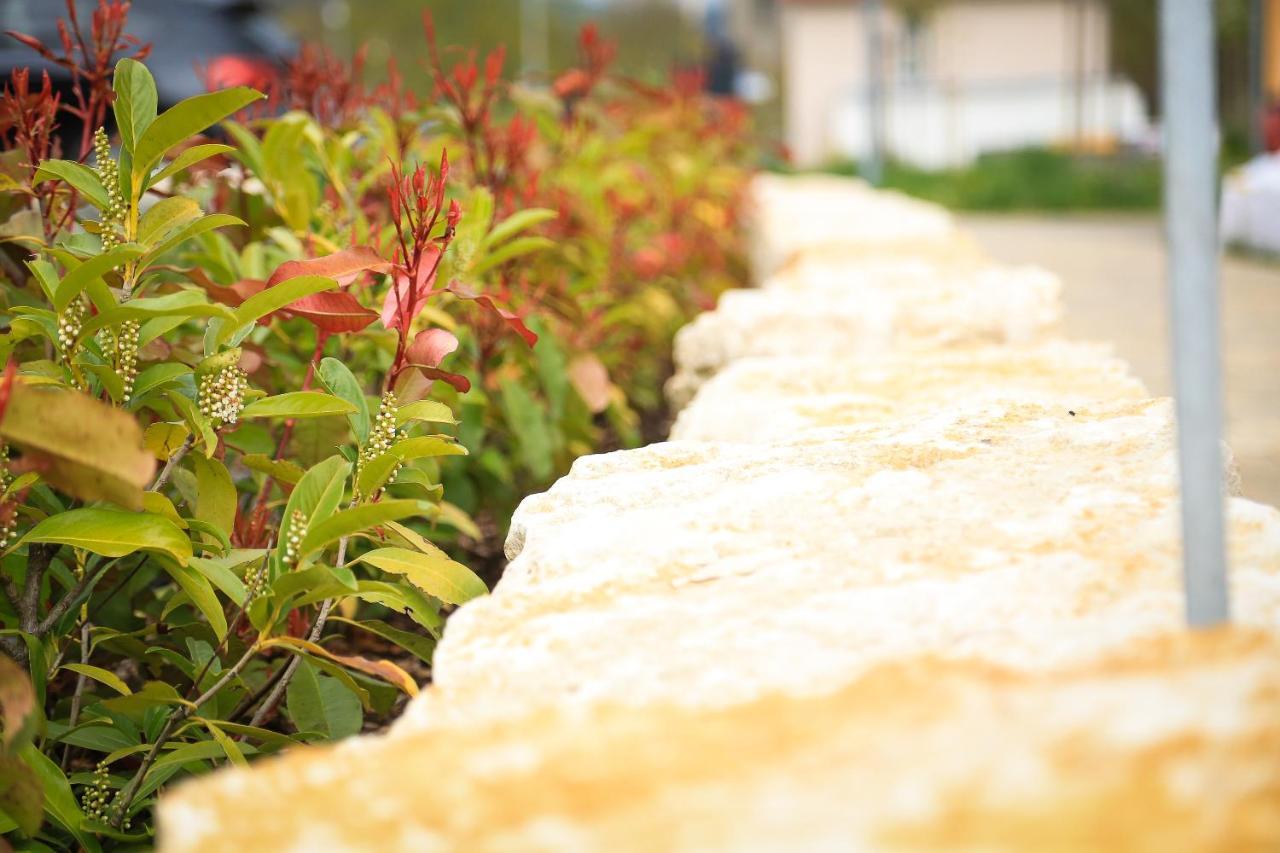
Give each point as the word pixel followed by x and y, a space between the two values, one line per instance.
pixel 193 42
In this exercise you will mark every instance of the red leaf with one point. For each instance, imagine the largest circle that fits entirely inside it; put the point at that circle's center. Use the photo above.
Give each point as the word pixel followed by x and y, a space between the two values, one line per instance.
pixel 483 300
pixel 342 266
pixel 333 311
pixel 430 346
pixel 6 385
pixel 428 349
pixel 232 295
pixel 462 383
pixel 396 310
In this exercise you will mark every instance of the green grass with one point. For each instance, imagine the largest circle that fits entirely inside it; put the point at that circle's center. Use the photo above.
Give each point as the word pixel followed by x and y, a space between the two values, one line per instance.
pixel 1032 179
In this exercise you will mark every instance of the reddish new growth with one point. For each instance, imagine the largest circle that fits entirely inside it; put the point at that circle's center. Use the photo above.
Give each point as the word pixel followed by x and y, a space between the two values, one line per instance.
pixel 597 55
pixel 28 118
pixel 90 59
pixel 424 230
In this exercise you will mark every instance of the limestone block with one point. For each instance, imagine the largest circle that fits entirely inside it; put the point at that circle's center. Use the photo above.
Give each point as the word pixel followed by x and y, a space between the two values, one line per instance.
pixel 993 304
pixel 796 214
pixel 706 574
pixel 1173 744
pixel 772 398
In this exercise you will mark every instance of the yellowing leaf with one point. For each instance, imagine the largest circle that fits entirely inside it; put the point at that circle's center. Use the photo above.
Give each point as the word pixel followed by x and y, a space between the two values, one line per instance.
pixel 101 675
pixel 86 448
pixel 112 533
pixel 384 669
pixel 434 574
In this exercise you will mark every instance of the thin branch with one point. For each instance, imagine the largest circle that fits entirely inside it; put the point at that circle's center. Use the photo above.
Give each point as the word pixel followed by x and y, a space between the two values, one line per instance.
pixel 38 559
pixel 60 609
pixel 171 464
pixel 274 699
pixel 180 716
pixel 76 697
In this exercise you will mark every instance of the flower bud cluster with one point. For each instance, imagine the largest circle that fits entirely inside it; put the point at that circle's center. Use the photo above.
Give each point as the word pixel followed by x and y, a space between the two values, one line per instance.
pixel 9 525
pixel 70 324
pixel 127 356
pixel 93 800
pixel 384 433
pixel 222 394
pixel 255 583
pixel 293 539
pixel 109 173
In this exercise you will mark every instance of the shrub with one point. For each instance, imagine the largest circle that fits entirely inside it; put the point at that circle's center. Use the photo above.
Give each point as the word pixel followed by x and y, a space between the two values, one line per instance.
pixel 244 372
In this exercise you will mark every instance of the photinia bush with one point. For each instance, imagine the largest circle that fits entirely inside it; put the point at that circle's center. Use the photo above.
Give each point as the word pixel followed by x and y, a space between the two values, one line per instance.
pixel 252 344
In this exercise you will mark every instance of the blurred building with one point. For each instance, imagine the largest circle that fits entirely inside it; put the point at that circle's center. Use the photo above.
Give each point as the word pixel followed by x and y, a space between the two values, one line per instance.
pixel 961 77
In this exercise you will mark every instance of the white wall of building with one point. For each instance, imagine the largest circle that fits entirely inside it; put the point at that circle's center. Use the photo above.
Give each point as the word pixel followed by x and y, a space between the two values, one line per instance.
pixel 970 76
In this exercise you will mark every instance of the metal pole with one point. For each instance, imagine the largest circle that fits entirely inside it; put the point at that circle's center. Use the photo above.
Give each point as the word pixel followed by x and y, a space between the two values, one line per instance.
pixel 874 171
pixel 1190 187
pixel 1256 106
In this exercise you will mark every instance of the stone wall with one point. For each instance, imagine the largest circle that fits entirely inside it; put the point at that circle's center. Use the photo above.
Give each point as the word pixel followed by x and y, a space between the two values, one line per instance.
pixel 905 577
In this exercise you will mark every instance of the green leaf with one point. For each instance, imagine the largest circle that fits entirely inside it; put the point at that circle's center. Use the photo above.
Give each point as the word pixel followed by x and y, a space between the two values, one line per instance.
pixel 84 179
pixel 97 673
pixel 21 795
pixel 187 232
pixel 528 424
pixel 135 104
pixel 318 493
pixel 218 571
pixel 181 121
pixel 373 474
pixel 200 591
pixel 216 494
pixel 281 470
pixel 164 216
pixel 158 504
pixel 189 158
pixel 298 404
pixel 113 533
pixel 341 382
pixel 319 703
pixel 229 747
pixel 424 410
pixel 510 251
pixel 356 520
pixel 156 376
pixel 195 420
pixel 59 803
pixel 416 644
pixel 184 303
pixel 519 221
pixel 273 299
pixel 74 283
pixel 434 574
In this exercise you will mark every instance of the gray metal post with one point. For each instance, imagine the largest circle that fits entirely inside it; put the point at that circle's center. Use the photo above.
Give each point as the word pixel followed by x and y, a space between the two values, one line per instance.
pixel 1190 175
pixel 874 171
pixel 1257 20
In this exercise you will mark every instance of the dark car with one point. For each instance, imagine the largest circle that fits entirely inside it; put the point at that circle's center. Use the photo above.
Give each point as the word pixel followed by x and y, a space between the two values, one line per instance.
pixel 230 42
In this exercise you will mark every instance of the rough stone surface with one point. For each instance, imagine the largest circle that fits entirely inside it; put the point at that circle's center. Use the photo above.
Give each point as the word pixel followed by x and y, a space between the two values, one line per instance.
pixel 771 399
pixel 919 595
pixel 794 216
pixel 825 314
pixel 1170 745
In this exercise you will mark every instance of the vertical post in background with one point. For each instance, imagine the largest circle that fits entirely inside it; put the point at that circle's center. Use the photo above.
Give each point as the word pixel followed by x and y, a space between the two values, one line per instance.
pixel 874 169
pixel 535 37
pixel 1257 23
pixel 1190 190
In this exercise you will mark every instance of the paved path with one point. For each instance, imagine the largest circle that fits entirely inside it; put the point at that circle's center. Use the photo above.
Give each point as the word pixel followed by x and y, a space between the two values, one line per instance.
pixel 1113 271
